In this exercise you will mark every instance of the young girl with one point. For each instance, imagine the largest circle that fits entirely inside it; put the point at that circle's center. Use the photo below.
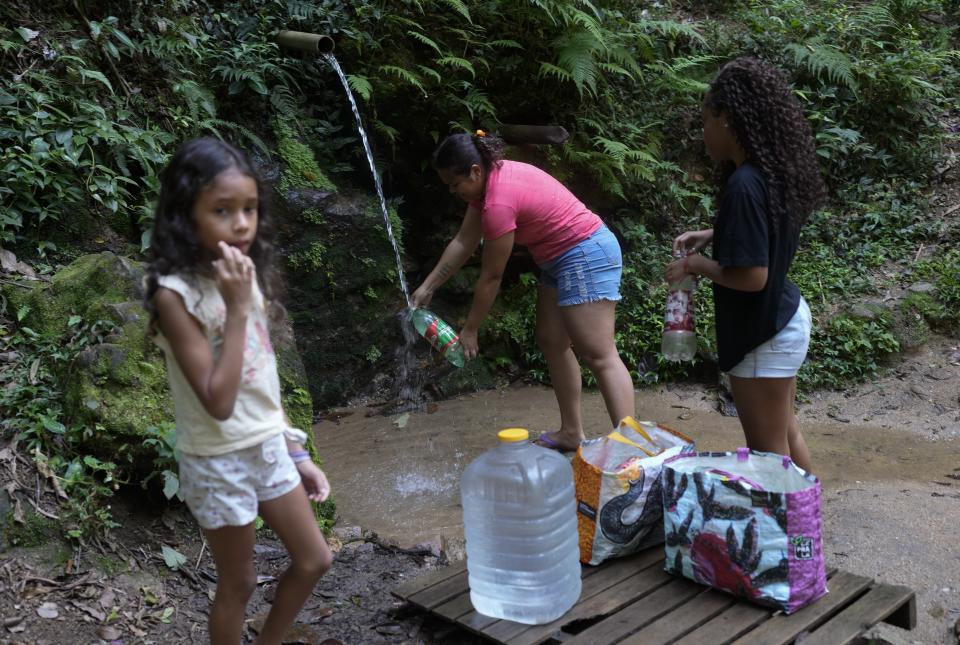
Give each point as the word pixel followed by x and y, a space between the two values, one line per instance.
pixel 754 128
pixel 511 202
pixel 239 457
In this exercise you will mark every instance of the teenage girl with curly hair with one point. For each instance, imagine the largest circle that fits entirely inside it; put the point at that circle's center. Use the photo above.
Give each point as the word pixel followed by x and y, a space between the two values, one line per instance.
pixel 754 128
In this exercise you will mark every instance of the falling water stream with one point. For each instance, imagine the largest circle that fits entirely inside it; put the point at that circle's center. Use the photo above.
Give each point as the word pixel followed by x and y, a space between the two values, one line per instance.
pixel 373 170
pixel 409 381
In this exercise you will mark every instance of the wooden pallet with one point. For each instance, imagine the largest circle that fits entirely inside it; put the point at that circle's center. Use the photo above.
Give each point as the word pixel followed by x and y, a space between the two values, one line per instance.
pixel 633 600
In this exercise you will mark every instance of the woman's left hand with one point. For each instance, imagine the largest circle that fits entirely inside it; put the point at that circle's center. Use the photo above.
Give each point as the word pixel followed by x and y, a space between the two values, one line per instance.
pixel 468 340
pixel 314 481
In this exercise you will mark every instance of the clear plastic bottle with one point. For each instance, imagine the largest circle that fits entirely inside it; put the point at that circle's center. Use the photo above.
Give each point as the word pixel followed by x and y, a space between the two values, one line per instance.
pixel 441 336
pixel 679 341
pixel 520 524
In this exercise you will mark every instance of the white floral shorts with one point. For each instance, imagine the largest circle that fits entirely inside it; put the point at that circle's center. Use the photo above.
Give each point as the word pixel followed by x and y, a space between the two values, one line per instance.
pixel 225 490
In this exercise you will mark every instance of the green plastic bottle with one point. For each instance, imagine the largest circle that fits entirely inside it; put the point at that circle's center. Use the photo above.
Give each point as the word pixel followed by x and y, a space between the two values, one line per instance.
pixel 439 334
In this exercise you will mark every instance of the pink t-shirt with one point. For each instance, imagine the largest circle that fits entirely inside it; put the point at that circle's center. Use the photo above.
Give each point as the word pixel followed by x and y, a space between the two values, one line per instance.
pixel 546 217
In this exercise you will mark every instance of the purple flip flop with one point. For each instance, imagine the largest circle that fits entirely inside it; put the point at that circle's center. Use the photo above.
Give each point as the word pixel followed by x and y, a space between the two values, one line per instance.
pixel 545 441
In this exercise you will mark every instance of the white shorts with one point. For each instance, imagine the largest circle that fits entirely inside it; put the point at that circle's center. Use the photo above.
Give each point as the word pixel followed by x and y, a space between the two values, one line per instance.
pixel 782 355
pixel 225 490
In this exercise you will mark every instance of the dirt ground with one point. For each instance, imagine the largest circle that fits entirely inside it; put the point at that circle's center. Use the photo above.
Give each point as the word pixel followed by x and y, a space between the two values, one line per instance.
pixel 888 455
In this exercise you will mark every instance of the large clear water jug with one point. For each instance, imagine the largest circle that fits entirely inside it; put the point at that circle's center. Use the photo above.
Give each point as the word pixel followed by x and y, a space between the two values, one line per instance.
pixel 520 524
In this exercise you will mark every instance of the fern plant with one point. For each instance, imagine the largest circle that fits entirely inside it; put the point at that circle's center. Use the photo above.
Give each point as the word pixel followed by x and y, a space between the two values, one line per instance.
pixel 824 60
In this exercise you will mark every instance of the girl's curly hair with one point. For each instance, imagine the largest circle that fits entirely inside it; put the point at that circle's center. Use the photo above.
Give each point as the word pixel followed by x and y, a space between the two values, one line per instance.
pixel 769 125
pixel 174 247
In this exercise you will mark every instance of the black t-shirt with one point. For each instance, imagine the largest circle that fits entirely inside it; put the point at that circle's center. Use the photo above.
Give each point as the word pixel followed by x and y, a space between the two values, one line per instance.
pixel 744 236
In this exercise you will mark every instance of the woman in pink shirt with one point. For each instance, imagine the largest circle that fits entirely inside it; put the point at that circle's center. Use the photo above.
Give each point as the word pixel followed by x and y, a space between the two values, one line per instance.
pixel 580 265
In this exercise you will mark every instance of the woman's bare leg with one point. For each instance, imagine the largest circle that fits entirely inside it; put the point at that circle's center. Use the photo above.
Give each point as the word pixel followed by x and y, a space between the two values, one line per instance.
pixel 554 342
pixel 591 327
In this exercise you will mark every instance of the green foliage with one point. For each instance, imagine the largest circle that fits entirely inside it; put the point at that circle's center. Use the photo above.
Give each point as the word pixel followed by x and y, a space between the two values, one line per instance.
pixel 32 408
pixel 91 110
pixel 36 530
pixel 873 76
pixel 310 259
pixel 301 169
pixel 70 143
pixel 824 60
pixel 426 70
pixel 941 310
pixel 846 349
pixel 509 331
pixel 163 439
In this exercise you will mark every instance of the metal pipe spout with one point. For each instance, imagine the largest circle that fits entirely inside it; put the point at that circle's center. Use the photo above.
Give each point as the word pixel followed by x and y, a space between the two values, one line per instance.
pixel 302 41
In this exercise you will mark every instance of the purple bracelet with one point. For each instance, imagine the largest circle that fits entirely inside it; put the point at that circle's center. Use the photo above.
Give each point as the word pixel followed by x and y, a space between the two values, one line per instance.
pixel 299 455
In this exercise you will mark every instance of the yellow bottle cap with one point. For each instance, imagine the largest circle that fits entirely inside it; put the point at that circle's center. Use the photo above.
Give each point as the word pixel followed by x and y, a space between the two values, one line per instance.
pixel 512 435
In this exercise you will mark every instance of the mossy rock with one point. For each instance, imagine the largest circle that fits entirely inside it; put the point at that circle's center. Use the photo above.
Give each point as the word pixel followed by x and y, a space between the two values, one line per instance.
pixel 115 388
pixel 302 170
pixel 866 311
pixel 35 531
pixel 343 289
pixel 84 288
pixel 118 388
pixel 910 321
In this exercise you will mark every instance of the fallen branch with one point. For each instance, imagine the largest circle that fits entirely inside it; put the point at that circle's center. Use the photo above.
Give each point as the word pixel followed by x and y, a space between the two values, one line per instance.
pixel 52 516
pixel 203 547
pixel 46 581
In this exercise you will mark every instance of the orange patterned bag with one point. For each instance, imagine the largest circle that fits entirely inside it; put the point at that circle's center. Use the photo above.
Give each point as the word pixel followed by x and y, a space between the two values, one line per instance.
pixel 617 477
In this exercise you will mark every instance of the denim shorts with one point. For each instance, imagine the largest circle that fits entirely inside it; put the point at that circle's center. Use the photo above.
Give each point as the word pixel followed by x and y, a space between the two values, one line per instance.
pixel 782 355
pixel 588 272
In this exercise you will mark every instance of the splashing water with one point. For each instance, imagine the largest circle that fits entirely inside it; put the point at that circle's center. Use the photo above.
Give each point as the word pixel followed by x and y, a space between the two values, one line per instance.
pixel 373 170
pixel 410 380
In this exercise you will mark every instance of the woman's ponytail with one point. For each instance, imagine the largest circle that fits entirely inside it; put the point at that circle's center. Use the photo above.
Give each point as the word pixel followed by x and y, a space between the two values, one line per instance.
pixel 459 152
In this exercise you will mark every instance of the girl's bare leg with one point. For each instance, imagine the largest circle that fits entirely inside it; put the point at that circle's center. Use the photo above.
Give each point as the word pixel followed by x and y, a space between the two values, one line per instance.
pixel 765 407
pixel 798 446
pixel 291 518
pixel 232 551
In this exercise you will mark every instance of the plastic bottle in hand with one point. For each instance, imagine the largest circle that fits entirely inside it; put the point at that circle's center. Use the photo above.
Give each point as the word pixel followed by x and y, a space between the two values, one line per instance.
pixel 439 334
pixel 679 338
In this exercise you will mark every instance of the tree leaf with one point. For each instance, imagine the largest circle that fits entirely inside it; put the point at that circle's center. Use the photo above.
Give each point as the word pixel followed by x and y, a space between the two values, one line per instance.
pixel 171 484
pixel 97 76
pixel 405 75
pixel 27 34
pixel 172 557
pixel 459 7
pixel 48 610
pixel 456 61
pixel 360 85
pixel 416 35
pixel 52 425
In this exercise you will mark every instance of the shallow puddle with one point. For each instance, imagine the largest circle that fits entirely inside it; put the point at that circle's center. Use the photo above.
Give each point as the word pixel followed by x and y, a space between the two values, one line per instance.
pixel 400 475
